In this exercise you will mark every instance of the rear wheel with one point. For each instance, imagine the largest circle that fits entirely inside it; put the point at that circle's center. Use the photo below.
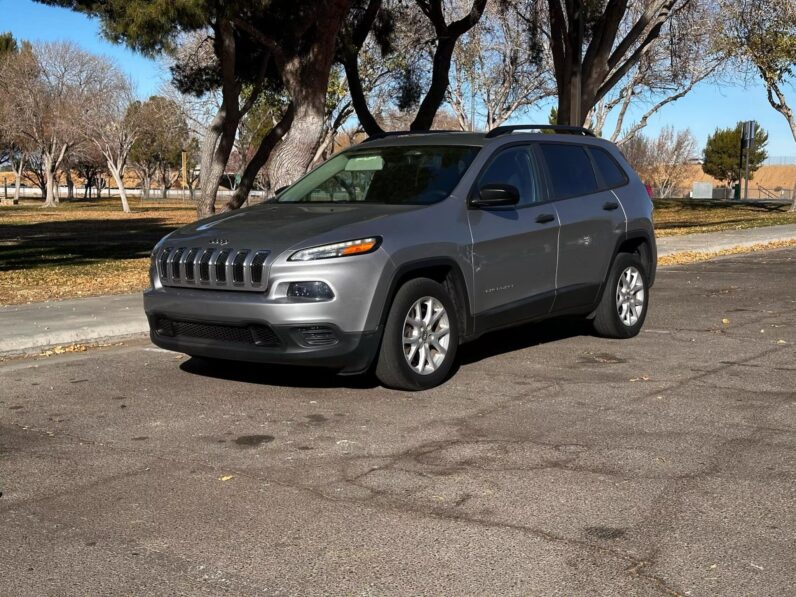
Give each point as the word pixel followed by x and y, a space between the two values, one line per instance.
pixel 420 338
pixel 623 306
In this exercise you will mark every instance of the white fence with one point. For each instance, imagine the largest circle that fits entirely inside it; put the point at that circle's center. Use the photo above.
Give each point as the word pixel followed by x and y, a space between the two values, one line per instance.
pixel 28 192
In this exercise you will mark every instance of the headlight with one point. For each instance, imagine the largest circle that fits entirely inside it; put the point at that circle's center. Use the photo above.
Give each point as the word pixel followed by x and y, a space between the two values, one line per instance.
pixel 343 249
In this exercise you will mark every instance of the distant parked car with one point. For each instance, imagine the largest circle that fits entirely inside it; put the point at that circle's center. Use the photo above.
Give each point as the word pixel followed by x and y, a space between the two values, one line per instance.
pixel 397 250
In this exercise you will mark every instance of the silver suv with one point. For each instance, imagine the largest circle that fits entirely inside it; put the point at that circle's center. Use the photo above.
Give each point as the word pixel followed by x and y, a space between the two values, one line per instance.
pixel 397 250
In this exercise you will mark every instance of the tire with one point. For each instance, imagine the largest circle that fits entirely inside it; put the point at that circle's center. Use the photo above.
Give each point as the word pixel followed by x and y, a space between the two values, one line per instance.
pixel 398 365
pixel 621 314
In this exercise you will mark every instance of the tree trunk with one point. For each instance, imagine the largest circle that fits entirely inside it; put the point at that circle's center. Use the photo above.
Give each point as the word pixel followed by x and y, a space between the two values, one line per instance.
pixel 118 176
pixel 164 191
pixel 220 138
pixel 290 159
pixel 260 158
pixel 50 199
pixel 146 181
pixel 18 179
pixel 424 118
pixel 306 78
pixel 793 199
pixel 70 185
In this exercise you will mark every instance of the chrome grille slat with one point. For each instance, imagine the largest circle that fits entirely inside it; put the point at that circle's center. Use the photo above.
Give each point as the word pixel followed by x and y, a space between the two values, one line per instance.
pixel 197 267
pixel 247 267
pixel 257 267
pixel 204 265
pixel 191 268
pixel 212 266
pixel 222 273
pixel 228 272
pixel 238 269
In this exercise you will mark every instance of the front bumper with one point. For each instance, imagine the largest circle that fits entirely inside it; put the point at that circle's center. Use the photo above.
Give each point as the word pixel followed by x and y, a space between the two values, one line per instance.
pixel 236 326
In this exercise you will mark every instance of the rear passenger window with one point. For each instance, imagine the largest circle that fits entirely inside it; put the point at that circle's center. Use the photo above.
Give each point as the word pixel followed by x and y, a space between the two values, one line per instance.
pixel 611 172
pixel 570 169
pixel 514 166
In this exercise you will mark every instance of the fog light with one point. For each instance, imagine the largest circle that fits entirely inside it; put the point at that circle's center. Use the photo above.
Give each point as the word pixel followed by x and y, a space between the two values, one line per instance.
pixel 310 291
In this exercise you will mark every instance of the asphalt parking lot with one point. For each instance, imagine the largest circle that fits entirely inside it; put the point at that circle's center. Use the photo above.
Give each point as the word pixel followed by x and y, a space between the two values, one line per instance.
pixel 553 463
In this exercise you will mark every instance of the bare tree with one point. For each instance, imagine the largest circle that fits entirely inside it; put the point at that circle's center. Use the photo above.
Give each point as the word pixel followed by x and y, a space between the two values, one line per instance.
pixel 162 135
pixel 12 153
pixel 500 67
pixel 662 161
pixel 110 127
pixel 53 83
pixel 685 54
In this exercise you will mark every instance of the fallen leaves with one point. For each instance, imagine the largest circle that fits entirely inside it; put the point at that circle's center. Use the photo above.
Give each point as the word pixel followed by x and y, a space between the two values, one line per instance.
pixel 226 477
pixel 77 347
pixel 73 281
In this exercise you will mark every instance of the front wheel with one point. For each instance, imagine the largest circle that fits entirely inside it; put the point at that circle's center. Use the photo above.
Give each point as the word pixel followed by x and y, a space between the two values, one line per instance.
pixel 623 306
pixel 420 338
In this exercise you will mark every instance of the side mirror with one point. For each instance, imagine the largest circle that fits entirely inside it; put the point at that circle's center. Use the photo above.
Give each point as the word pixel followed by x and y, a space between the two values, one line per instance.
pixel 496 195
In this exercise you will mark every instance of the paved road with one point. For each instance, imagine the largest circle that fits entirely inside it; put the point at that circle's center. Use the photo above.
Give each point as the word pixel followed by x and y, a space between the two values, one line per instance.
pixel 553 463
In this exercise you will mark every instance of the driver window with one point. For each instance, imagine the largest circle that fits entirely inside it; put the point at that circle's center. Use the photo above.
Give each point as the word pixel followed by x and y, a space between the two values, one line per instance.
pixel 514 166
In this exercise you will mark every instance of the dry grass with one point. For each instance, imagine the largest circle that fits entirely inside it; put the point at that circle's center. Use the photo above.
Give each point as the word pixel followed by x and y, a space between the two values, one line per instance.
pixel 81 248
pixel 696 256
pixel 676 218
pixel 97 211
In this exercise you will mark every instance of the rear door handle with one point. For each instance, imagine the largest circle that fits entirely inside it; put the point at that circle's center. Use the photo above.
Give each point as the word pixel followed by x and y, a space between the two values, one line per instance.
pixel 610 205
pixel 544 218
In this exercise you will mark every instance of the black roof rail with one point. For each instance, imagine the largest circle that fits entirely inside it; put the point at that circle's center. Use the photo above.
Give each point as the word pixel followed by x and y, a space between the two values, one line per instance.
pixel 556 128
pixel 386 134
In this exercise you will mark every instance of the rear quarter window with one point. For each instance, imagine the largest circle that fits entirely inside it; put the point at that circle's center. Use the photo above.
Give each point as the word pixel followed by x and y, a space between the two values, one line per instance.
pixel 570 169
pixel 610 171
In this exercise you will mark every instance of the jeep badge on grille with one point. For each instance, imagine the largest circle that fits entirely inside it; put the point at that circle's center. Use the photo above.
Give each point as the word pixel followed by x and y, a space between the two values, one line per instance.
pixel 219 241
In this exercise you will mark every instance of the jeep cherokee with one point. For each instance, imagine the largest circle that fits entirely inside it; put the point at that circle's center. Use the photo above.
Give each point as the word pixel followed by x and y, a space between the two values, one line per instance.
pixel 395 251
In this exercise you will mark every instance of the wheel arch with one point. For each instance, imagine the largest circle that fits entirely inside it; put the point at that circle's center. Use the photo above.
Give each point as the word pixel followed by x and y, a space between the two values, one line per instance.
pixel 642 243
pixel 443 270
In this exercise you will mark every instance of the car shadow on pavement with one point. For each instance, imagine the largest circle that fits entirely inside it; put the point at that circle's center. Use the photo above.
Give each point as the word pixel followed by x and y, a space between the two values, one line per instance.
pixel 489 345
pixel 521 337
pixel 277 375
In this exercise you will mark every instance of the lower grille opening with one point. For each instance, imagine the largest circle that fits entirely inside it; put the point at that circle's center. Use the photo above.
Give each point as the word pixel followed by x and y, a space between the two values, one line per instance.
pixel 257 334
pixel 318 335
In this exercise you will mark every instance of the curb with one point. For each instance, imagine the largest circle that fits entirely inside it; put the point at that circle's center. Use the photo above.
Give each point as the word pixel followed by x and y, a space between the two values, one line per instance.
pixel 30 329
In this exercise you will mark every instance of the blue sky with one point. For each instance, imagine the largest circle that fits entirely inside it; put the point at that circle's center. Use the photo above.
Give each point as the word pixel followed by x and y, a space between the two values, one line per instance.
pixel 704 109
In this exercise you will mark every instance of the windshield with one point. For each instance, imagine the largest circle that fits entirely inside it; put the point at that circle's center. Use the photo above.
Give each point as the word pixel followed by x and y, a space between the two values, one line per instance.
pixel 395 175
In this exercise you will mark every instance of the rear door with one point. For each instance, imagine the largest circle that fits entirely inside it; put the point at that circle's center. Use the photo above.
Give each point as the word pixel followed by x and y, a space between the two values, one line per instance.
pixel 514 248
pixel 591 219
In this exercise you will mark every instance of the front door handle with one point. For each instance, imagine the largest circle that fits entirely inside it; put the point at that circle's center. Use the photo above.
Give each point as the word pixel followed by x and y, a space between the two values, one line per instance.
pixel 610 205
pixel 544 218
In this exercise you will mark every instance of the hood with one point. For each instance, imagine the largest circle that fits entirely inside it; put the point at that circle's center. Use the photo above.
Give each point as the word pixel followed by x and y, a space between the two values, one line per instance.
pixel 278 227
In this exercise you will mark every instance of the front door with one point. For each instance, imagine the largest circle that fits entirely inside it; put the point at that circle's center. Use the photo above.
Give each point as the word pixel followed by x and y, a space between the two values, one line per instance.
pixel 514 248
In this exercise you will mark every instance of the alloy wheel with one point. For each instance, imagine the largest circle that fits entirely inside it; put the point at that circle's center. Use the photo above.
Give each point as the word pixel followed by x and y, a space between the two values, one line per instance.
pixel 426 335
pixel 630 296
